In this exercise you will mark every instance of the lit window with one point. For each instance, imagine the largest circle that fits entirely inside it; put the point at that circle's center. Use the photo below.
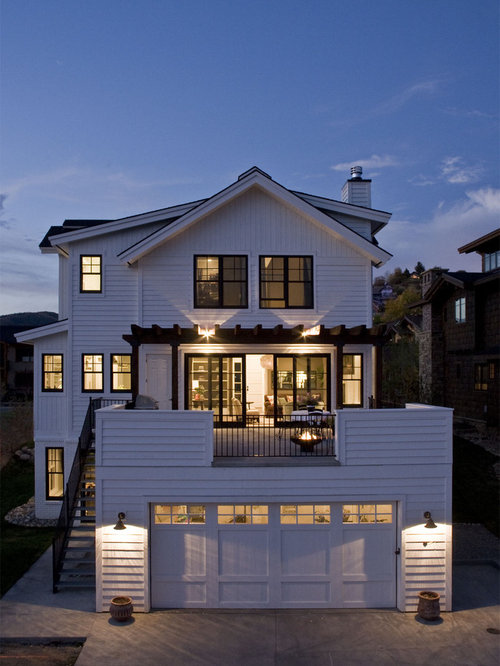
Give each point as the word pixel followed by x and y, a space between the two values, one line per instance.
pixel 92 372
pixel 179 514
pixel 286 282
pixel 91 273
pixel 54 465
pixel 220 282
pixel 242 514
pixel 481 373
pixel 52 372
pixel 460 310
pixel 121 374
pixel 304 514
pixel 354 514
pixel 352 380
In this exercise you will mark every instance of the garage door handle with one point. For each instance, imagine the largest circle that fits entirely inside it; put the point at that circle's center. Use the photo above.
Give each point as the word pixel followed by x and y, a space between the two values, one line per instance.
pixel 397 551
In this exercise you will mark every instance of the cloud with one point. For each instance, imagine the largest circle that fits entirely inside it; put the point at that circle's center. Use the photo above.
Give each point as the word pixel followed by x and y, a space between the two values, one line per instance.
pixel 373 162
pixel 472 113
pixel 434 242
pixel 455 171
pixel 395 102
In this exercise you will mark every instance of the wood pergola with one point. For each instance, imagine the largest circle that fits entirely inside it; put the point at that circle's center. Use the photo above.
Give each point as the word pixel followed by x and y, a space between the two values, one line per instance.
pixel 338 337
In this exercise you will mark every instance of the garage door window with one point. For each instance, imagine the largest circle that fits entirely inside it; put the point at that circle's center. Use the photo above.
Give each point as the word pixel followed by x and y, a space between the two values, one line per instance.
pixel 304 514
pixel 242 514
pixel 179 514
pixel 354 514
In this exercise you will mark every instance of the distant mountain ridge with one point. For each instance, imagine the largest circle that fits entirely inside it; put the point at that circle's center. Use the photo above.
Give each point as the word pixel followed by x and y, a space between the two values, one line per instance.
pixel 28 319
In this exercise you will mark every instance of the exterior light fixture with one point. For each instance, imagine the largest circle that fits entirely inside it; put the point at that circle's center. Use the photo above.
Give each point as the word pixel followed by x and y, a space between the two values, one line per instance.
pixel 206 332
pixel 119 525
pixel 430 523
pixel 311 331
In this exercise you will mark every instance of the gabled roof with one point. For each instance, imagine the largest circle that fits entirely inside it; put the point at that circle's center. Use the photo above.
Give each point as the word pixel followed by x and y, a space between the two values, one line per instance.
pixel 461 279
pixel 43 331
pixel 488 243
pixel 255 178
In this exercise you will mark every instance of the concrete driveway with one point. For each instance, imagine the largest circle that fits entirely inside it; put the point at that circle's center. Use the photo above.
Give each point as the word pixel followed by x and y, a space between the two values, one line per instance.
pixel 468 636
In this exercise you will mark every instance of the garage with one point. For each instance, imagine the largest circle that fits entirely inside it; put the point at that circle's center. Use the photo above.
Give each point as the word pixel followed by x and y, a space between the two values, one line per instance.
pixel 325 555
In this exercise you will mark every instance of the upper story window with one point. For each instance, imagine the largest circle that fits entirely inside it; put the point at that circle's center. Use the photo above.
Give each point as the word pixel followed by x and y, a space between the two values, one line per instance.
pixel 92 371
pixel 52 372
pixel 121 373
pixel 460 310
pixel 286 282
pixel 491 260
pixel 352 380
pixel 220 281
pixel 91 273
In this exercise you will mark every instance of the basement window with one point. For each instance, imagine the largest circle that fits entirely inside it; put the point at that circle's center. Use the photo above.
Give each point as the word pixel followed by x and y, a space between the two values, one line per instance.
pixel 54 465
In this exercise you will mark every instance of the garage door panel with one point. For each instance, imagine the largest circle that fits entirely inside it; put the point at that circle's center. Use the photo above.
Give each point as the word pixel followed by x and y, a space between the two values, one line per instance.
pixel 244 553
pixel 178 594
pixel 305 592
pixel 368 594
pixel 179 553
pixel 305 551
pixel 245 593
pixel 368 551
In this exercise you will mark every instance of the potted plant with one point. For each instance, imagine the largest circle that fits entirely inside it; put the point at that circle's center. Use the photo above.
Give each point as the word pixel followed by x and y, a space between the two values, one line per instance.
pixel 121 608
pixel 428 605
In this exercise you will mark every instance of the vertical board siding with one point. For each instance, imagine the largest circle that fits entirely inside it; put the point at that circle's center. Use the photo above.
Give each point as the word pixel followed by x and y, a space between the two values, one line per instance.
pixel 148 475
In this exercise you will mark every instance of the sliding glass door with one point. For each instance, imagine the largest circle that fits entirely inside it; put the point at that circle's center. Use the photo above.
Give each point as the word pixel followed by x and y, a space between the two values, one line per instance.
pixel 300 381
pixel 217 382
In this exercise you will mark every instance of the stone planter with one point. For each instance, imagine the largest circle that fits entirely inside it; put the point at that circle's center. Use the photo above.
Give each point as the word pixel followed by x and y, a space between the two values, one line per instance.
pixel 428 605
pixel 121 608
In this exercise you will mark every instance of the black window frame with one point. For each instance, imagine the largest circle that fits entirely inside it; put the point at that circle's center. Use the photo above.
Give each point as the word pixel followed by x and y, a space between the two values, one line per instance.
pixel 361 380
pixel 82 273
pixel 47 372
pixel 286 281
pixel 48 497
pixel 460 304
pixel 84 390
pixel 112 374
pixel 482 373
pixel 220 281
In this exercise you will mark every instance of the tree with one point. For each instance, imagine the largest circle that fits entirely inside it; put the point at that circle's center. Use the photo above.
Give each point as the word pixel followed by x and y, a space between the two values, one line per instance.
pixel 400 306
pixel 419 268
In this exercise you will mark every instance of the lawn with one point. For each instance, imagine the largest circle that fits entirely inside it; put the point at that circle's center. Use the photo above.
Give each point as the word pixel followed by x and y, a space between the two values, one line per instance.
pixel 20 547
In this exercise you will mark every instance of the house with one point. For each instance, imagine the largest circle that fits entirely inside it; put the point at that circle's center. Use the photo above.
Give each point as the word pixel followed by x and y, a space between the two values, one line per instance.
pixel 219 361
pixel 460 340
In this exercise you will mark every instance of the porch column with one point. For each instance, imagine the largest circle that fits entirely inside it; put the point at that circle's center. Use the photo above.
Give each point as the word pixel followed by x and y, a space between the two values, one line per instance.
pixel 175 375
pixel 377 349
pixel 339 375
pixel 134 380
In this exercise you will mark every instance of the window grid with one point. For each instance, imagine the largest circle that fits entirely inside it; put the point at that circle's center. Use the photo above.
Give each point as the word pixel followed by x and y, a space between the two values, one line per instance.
pixel 121 372
pixel 304 514
pixel 492 260
pixel 93 373
pixel 91 273
pixel 220 281
pixel 179 514
pixel 52 372
pixel 352 380
pixel 242 514
pixel 286 282
pixel 54 473
pixel 354 514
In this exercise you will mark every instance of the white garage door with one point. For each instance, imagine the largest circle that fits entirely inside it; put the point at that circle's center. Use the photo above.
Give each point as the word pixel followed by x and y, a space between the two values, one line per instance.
pixel 273 555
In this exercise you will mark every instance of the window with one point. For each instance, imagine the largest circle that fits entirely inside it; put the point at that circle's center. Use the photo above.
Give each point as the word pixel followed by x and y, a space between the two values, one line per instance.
pixel 304 514
pixel 92 372
pixel 179 514
pixel 491 260
pixel 286 282
pixel 353 514
pixel 481 373
pixel 242 514
pixel 91 273
pixel 220 282
pixel 352 380
pixel 54 465
pixel 121 373
pixel 460 310
pixel 52 372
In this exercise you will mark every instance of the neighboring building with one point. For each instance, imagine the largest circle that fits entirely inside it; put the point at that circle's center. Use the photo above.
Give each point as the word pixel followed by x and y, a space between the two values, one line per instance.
pixel 460 340
pixel 239 315
pixel 16 358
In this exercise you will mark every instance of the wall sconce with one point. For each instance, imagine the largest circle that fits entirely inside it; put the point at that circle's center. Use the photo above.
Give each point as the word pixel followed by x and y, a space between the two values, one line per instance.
pixel 119 525
pixel 311 331
pixel 206 332
pixel 430 524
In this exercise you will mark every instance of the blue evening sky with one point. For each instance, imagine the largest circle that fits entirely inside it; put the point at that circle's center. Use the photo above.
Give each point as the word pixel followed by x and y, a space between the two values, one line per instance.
pixel 116 107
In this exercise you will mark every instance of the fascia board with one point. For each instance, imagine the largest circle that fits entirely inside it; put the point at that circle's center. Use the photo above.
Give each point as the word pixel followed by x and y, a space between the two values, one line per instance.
pixel 375 253
pixel 43 331
pixel 352 210
pixel 124 223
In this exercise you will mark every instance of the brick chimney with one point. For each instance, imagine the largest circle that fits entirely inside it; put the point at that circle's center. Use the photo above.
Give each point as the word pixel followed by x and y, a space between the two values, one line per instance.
pixel 357 190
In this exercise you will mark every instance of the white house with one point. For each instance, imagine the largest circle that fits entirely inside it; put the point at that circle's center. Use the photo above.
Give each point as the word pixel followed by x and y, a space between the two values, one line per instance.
pixel 267 477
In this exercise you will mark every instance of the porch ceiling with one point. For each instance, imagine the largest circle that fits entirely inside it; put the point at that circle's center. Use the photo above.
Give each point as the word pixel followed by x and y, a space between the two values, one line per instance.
pixel 177 335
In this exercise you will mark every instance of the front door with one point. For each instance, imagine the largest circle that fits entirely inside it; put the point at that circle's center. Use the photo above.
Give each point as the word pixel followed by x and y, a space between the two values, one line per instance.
pixel 217 382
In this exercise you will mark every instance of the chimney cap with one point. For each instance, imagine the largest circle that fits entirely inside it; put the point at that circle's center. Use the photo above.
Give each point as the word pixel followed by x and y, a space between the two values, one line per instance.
pixel 357 172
